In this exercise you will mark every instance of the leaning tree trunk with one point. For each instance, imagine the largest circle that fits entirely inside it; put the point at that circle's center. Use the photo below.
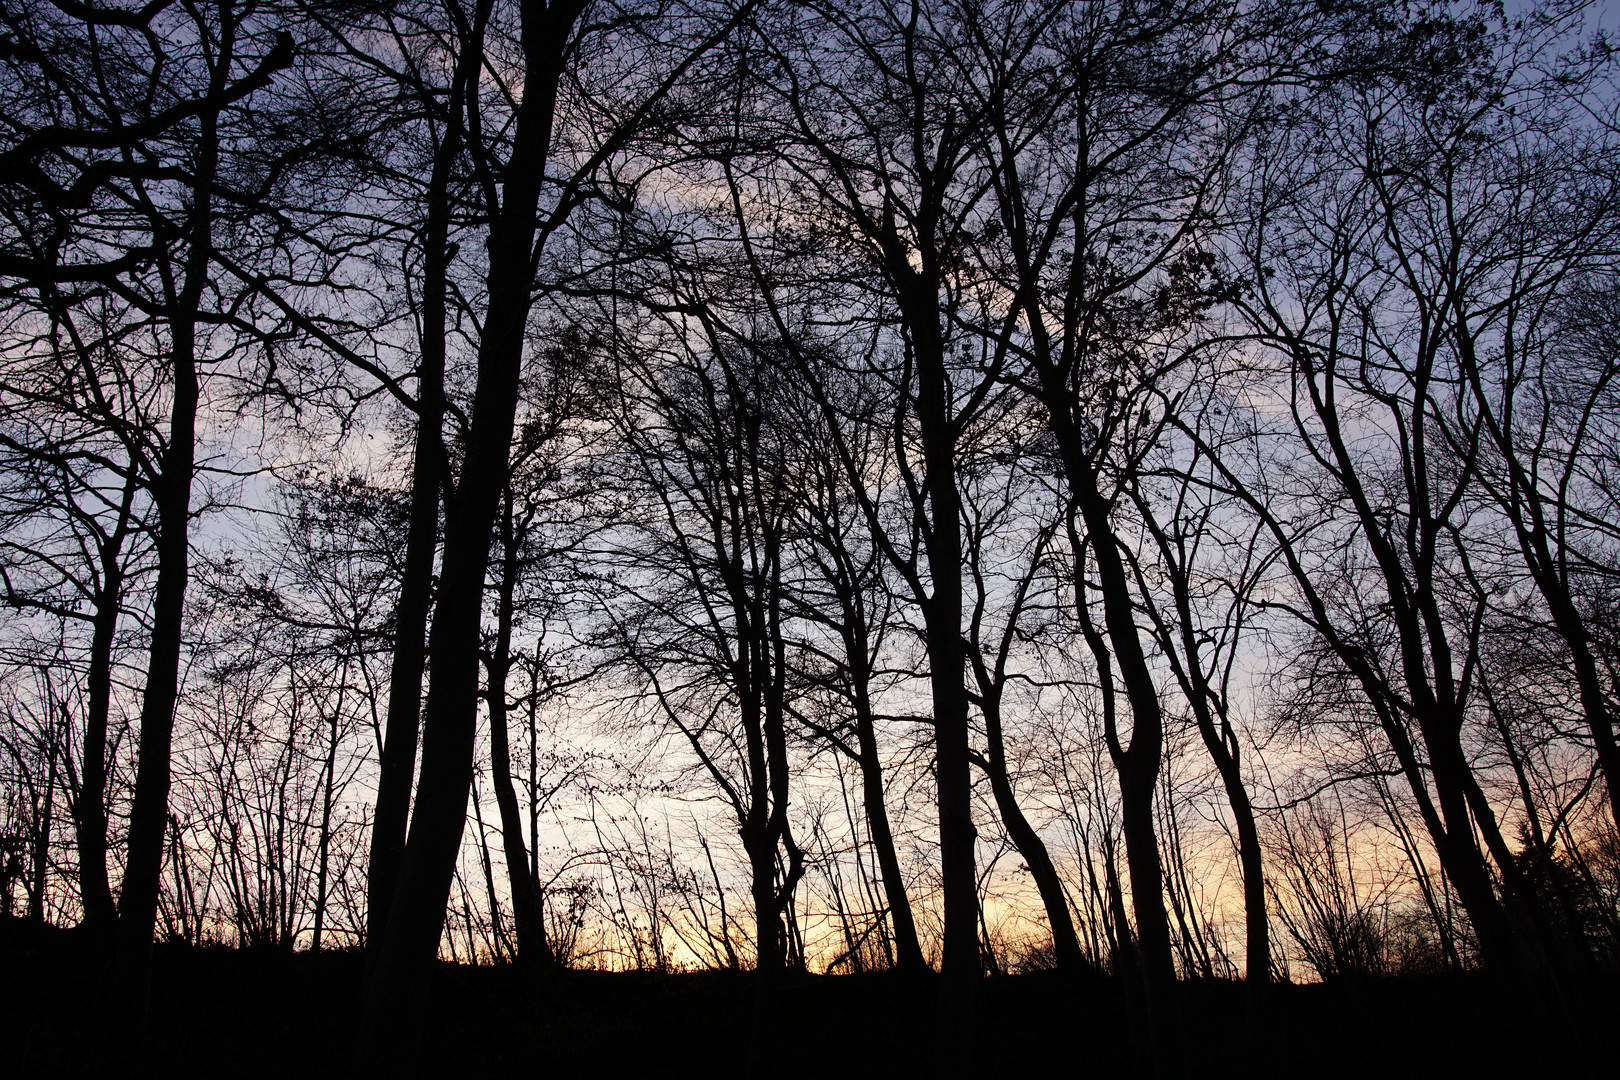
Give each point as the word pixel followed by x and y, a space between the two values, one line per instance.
pixel 855 631
pixel 1526 507
pixel 394 1002
pixel 1065 941
pixel 1138 764
pixel 908 949
pixel 1221 743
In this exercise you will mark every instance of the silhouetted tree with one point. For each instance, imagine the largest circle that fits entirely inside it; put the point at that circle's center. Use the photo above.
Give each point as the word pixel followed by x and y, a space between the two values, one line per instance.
pixel 546 44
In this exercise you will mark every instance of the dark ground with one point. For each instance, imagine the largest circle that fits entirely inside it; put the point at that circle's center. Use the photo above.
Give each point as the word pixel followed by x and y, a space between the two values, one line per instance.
pixel 224 1013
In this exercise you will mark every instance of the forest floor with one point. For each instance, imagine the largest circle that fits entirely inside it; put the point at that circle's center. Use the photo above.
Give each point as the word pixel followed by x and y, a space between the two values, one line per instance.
pixel 219 1012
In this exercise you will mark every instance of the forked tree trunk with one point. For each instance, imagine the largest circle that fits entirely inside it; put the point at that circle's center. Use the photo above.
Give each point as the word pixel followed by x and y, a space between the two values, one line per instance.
pixel 397 767
pixel 1137 765
pixel 394 1002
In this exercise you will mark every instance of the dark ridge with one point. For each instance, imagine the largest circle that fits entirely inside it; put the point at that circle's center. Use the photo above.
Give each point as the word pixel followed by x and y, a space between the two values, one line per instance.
pixel 219 1011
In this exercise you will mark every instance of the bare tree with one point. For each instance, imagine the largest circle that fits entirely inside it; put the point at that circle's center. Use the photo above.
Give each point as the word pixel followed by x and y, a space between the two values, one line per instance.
pixel 1104 187
pixel 85 136
pixel 545 45
pixel 73 531
pixel 1380 322
pixel 845 587
pixel 714 642
pixel 868 130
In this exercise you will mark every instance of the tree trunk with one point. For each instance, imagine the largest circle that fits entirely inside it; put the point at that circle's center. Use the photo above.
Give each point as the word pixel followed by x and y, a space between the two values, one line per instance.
pixel 942 617
pixel 1065 942
pixel 527 919
pixel 1526 508
pixel 397 767
pixel 137 906
pixel 773 677
pixel 394 1000
pixel 758 834
pixel 908 949
pixel 324 837
pixel 1222 744
pixel 90 806
pixel 1460 854
pixel 171 491
pixel 42 829
pixel 1137 765
pixel 1223 751
pixel 1571 626
pixel 956 1042
pixel 1256 924
pixel 847 581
